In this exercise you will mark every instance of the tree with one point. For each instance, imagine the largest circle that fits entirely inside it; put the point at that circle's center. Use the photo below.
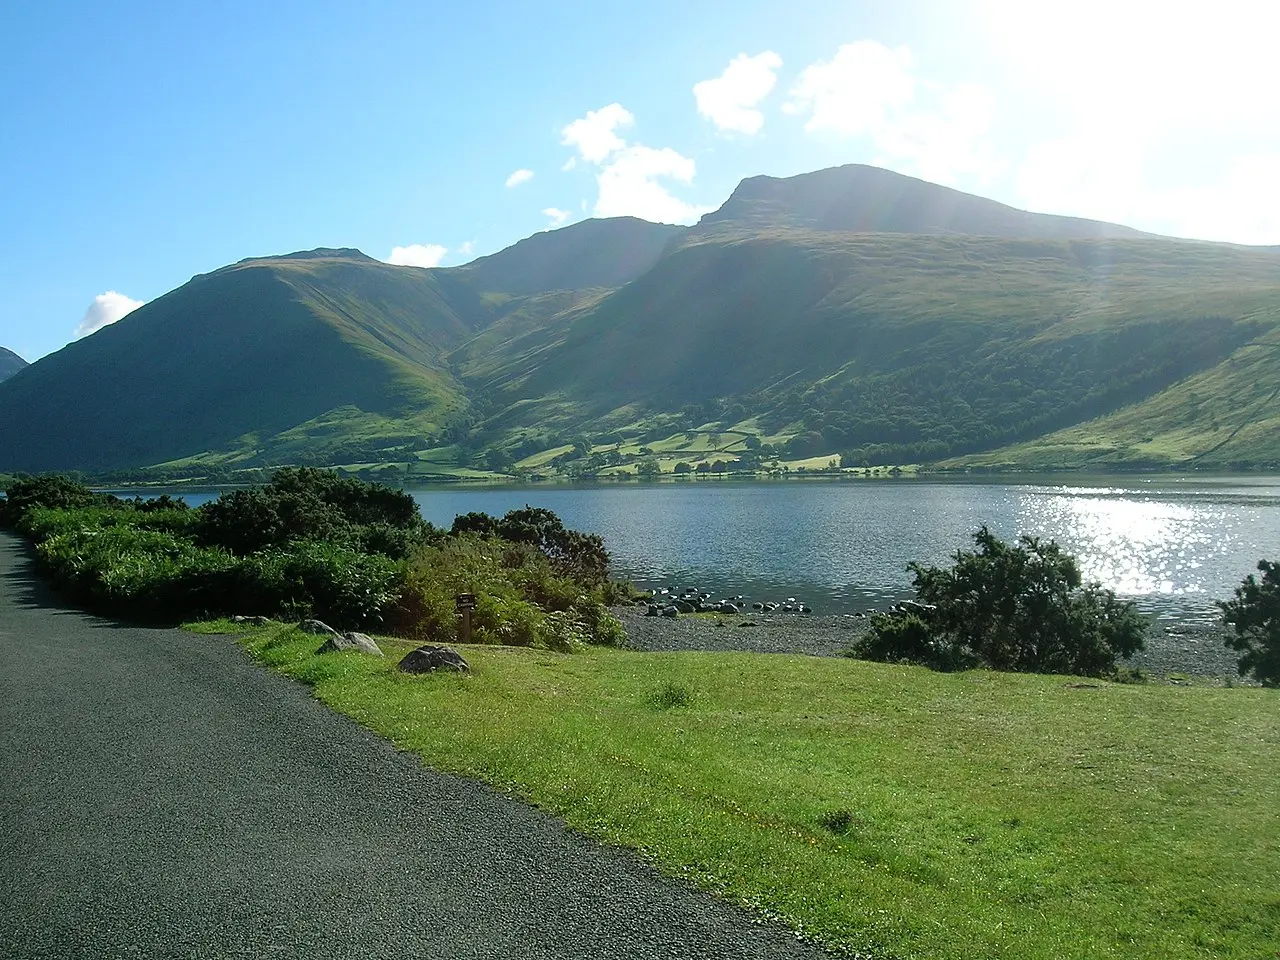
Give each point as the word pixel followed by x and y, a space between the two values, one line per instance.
pixel 682 467
pixel 1255 615
pixel 648 469
pixel 1021 607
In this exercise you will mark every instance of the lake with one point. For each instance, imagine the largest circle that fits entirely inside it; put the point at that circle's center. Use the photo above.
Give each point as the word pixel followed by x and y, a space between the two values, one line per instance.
pixel 1173 544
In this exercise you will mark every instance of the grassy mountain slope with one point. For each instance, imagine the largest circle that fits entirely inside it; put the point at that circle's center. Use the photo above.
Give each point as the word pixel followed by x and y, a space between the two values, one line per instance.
pixel 893 346
pixel 10 363
pixel 1223 418
pixel 247 351
pixel 870 199
pixel 590 254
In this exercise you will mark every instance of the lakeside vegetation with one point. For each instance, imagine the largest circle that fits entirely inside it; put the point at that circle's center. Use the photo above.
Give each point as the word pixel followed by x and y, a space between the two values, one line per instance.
pixel 889 811
pixel 310 543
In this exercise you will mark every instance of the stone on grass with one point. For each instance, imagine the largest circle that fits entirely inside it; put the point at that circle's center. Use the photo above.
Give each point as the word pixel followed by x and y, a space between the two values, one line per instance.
pixel 350 641
pixel 318 627
pixel 429 659
pixel 251 621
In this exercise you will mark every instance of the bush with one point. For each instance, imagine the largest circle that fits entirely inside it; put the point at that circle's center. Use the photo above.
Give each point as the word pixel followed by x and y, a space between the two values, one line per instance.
pixel 579 556
pixel 303 503
pixel 1020 608
pixel 1255 616
pixel 47 490
pixel 906 638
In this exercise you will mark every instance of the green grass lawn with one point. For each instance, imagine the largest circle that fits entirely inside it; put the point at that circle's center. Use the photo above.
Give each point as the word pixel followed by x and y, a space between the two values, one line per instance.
pixel 882 809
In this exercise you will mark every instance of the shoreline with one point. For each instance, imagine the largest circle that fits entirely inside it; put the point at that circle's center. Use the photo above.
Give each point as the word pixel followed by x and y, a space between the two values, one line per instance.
pixel 1174 652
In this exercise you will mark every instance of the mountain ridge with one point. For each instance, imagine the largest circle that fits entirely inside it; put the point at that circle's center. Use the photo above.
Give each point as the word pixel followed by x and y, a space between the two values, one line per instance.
pixel 848 312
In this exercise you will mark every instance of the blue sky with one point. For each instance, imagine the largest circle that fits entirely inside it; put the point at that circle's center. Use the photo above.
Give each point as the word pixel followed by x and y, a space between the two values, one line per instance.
pixel 146 142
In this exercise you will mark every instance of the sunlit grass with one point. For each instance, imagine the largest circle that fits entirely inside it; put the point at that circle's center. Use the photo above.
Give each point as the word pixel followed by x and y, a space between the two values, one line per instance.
pixel 886 809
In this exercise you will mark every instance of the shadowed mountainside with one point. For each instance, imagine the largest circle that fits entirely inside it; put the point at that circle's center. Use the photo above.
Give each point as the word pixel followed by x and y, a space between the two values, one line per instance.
pixel 10 363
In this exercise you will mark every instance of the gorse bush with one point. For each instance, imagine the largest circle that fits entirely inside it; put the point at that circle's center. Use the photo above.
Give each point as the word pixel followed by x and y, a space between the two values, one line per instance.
pixel 1021 607
pixel 1255 616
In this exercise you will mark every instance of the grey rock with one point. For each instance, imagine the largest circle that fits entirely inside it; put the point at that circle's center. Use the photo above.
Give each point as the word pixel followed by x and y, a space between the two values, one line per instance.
pixel 251 621
pixel 350 641
pixel 429 659
pixel 684 607
pixel 670 611
pixel 318 627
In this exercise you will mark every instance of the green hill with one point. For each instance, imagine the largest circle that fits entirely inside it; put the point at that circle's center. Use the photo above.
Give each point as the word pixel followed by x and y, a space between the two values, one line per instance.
pixel 10 363
pixel 238 355
pixel 850 313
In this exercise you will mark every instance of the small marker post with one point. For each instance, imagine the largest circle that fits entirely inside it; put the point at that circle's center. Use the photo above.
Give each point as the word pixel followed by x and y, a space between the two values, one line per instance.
pixel 464 603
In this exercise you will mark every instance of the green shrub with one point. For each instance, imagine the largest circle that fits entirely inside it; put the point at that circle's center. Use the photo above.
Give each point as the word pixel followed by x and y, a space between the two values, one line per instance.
pixel 1022 608
pixel 1255 616
pixel 580 556
pixel 304 503
pixel 906 638
pixel 46 490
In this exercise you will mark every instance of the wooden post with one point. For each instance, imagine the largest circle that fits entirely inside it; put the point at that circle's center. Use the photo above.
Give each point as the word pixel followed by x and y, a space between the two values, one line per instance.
pixel 465 603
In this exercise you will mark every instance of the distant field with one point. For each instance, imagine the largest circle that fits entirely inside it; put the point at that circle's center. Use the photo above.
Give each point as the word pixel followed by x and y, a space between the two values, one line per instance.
pixel 882 809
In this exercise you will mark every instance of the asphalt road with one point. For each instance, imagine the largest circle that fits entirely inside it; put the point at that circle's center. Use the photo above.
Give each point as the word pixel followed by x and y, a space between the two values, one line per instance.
pixel 162 796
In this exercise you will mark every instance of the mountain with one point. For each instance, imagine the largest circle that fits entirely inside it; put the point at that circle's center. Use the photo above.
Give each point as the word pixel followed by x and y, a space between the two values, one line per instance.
pixel 857 198
pixel 324 355
pixel 851 312
pixel 10 363
pixel 585 255
pixel 239 355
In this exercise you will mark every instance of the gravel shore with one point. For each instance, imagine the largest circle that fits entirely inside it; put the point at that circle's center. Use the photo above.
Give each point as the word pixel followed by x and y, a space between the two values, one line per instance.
pixel 1193 649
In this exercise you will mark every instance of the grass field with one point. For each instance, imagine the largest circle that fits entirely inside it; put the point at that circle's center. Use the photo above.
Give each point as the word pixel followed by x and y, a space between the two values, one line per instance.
pixel 886 810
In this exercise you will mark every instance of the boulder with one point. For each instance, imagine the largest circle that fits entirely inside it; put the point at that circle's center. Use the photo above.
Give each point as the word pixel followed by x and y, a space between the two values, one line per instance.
pixel 350 641
pixel 318 627
pixel 251 621
pixel 726 607
pixel 670 612
pixel 652 610
pixel 684 607
pixel 429 659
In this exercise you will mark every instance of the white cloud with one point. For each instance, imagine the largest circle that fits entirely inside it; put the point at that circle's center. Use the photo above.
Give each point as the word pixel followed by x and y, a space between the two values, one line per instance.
pixel 629 186
pixel 629 175
pixel 855 92
pixel 105 310
pixel 418 255
pixel 594 134
pixel 519 177
pixel 915 125
pixel 569 164
pixel 555 216
pixel 467 248
pixel 729 101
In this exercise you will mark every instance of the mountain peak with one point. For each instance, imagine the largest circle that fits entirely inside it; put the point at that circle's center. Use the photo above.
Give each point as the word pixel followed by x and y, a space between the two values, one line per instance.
pixel 319 253
pixel 864 199
pixel 10 363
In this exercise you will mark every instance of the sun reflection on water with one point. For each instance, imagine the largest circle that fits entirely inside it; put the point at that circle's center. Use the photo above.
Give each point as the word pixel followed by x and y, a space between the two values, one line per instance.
pixel 1135 546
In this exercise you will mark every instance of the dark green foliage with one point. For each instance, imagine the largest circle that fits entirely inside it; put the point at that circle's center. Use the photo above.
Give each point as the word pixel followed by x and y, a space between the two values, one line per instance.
pixel 304 503
pixel 579 556
pixel 1020 607
pixel 1255 616
pixel 906 638
pixel 45 490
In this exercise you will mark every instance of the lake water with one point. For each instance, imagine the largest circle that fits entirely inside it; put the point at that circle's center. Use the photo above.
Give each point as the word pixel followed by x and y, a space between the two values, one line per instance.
pixel 1173 544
